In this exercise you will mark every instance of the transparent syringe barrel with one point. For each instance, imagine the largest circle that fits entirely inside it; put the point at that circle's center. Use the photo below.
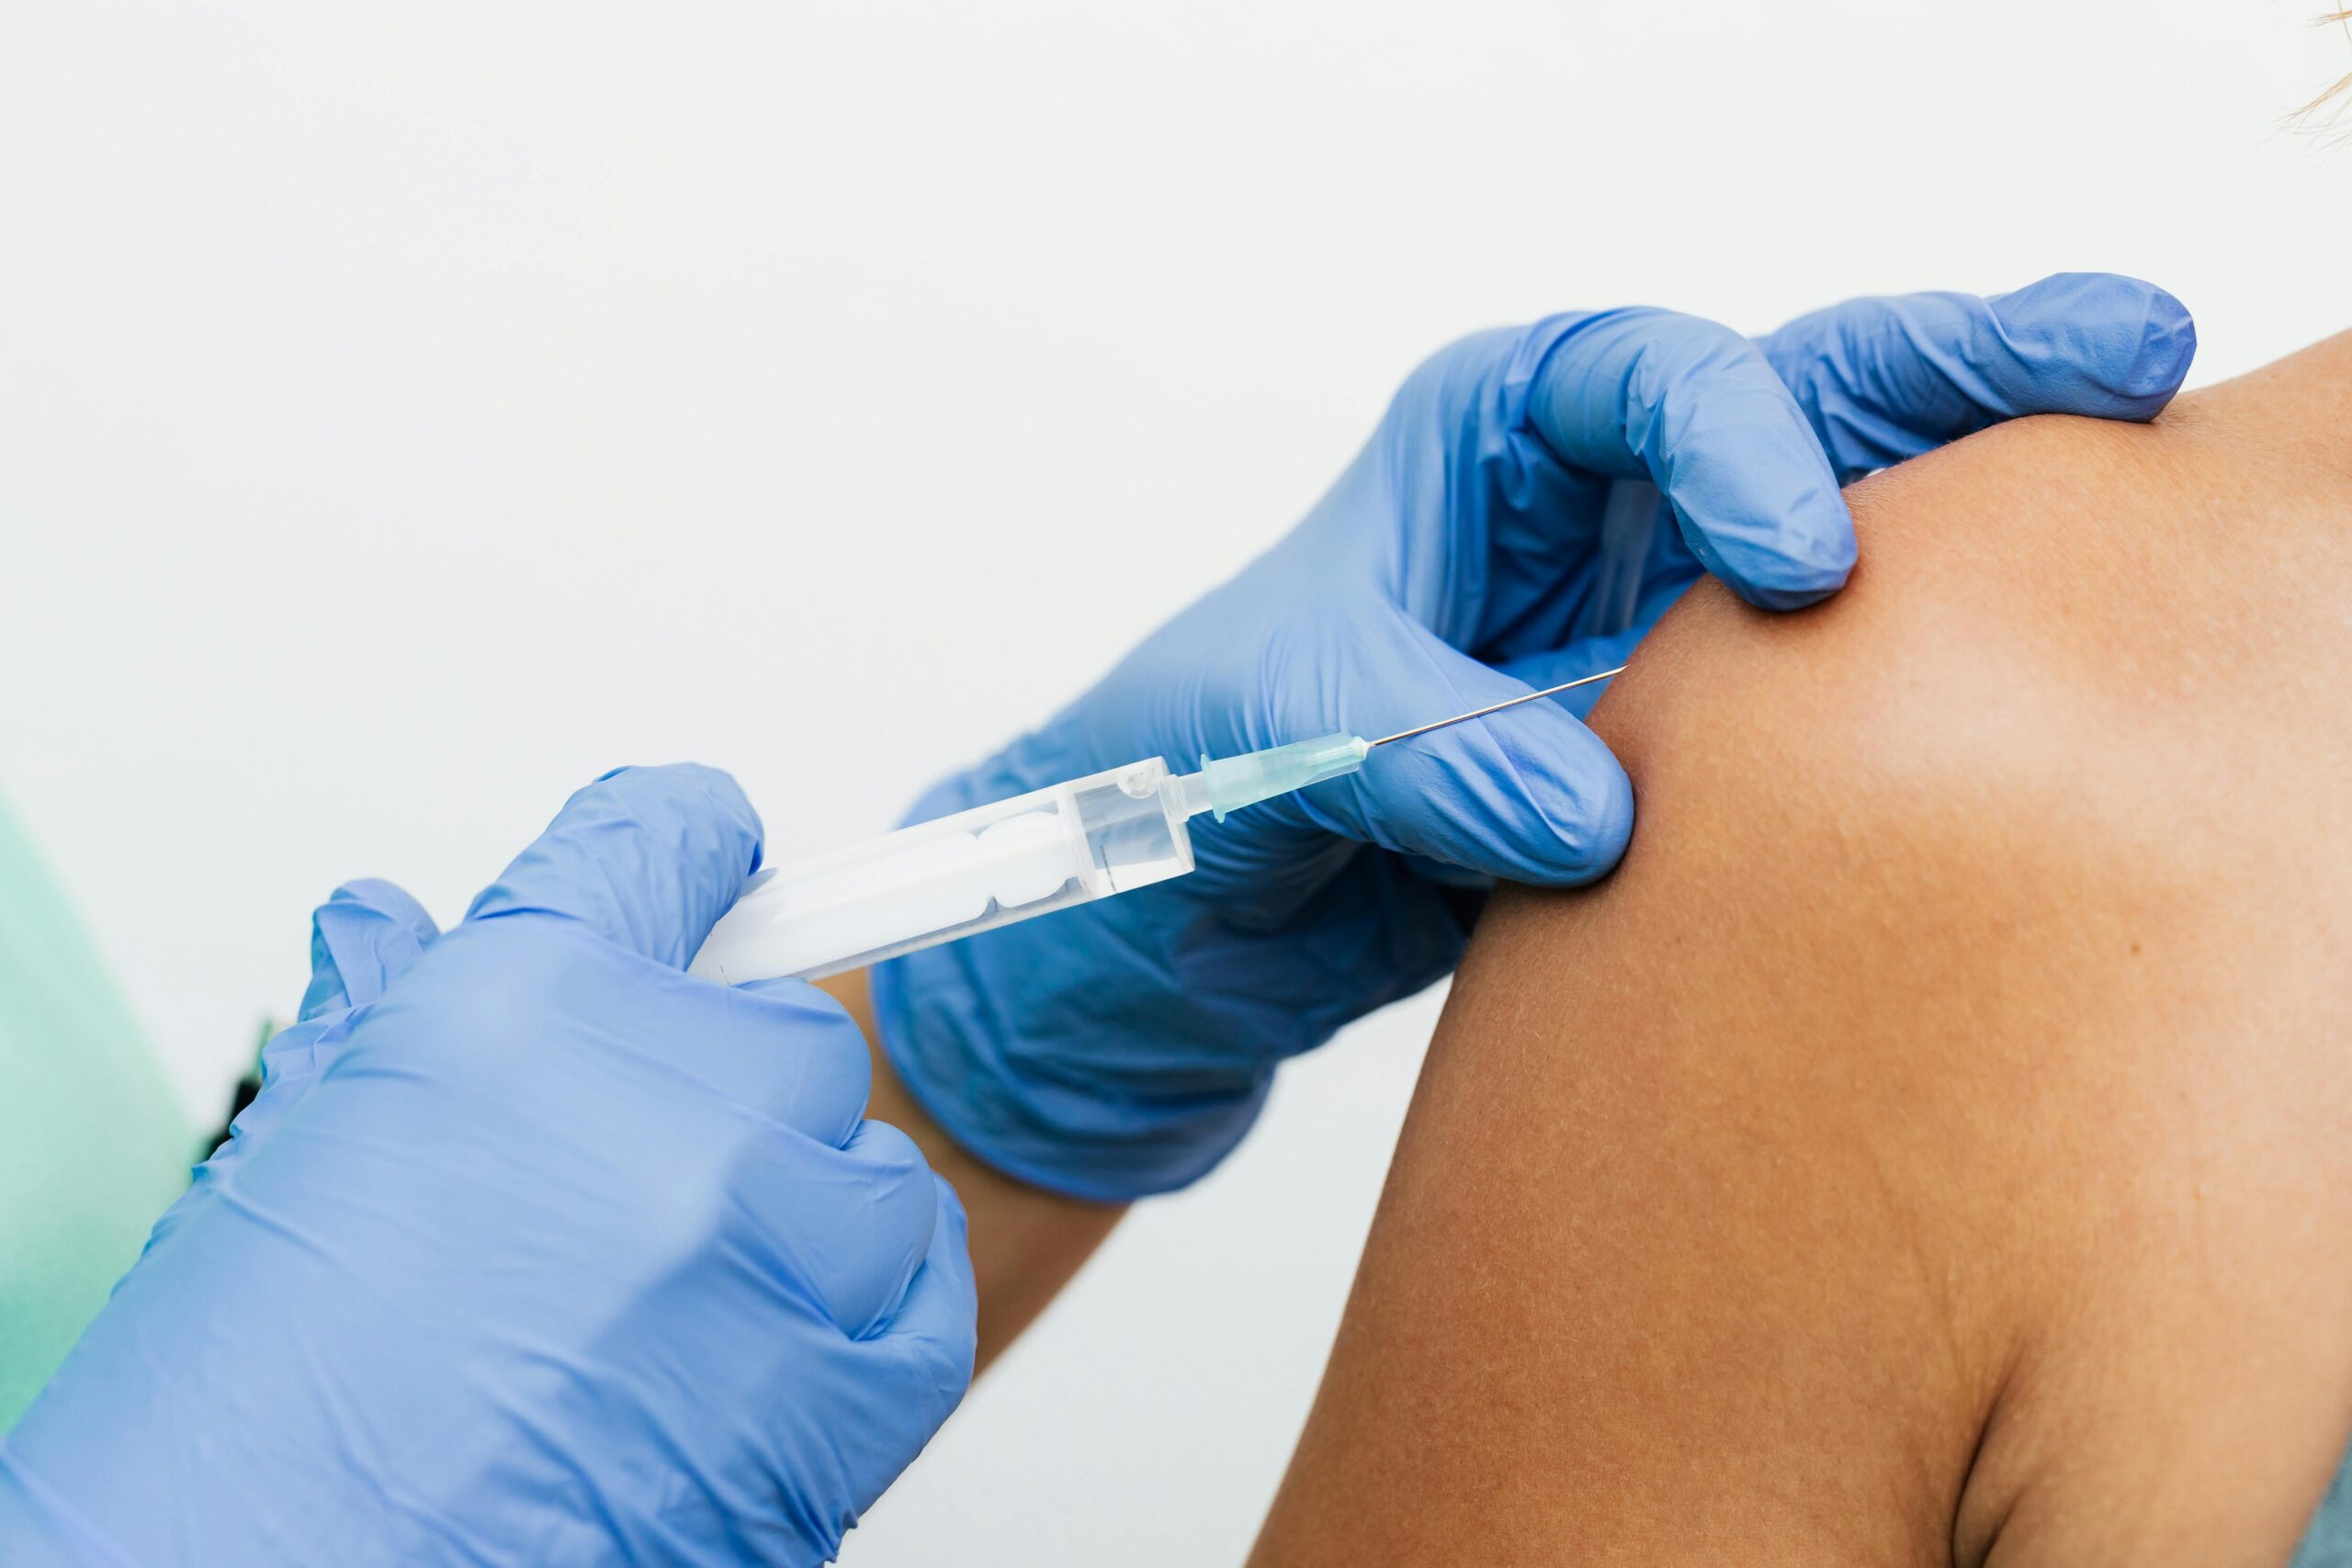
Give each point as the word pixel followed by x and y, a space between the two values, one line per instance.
pixel 955 876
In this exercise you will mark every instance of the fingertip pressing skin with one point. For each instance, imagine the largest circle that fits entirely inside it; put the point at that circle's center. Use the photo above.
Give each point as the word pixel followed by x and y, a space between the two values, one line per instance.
pixel 1528 795
pixel 1692 406
pixel 2090 343
pixel 1535 798
pixel 1758 505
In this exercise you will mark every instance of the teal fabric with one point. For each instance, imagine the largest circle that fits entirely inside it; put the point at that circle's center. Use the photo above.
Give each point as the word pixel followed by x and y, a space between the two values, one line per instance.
pixel 93 1144
pixel 2328 1542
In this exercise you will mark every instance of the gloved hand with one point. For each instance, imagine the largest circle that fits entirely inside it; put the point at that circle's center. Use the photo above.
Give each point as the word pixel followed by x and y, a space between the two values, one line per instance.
pixel 1500 533
pixel 533 1250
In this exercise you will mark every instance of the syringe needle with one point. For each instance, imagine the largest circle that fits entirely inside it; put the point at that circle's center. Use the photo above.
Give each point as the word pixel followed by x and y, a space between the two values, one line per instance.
pixel 1498 708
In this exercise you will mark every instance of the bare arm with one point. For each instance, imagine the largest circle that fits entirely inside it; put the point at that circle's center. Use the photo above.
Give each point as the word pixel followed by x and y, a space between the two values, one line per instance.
pixel 1930 1147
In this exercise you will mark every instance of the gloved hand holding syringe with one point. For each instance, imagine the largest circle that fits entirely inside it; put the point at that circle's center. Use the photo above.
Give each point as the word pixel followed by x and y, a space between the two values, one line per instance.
pixel 1532 501
pixel 1069 843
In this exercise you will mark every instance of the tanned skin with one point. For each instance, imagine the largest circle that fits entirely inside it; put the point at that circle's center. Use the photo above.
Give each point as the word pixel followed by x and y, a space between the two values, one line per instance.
pixel 1934 1145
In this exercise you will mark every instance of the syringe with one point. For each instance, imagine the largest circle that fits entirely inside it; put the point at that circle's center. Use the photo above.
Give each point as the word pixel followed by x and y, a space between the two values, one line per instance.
pixel 1066 844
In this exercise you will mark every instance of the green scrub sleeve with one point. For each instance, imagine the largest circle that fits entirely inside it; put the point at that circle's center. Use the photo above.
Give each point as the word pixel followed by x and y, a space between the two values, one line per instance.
pixel 93 1143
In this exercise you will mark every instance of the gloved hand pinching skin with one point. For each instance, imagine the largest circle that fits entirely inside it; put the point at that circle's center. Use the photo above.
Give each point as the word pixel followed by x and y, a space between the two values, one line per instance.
pixel 1502 531
pixel 532 1249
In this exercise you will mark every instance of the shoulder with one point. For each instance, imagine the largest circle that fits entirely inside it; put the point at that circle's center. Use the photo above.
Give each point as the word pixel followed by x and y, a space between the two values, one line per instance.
pixel 1933 1132
pixel 2063 634
pixel 2001 904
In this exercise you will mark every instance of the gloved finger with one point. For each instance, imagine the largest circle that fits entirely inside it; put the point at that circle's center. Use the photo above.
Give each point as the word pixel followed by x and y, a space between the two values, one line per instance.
pixel 787 1048
pixel 919 1358
pixel 366 934
pixel 1539 672
pixel 1528 795
pixel 649 858
pixel 942 1302
pixel 1885 379
pixel 1694 406
pixel 848 1226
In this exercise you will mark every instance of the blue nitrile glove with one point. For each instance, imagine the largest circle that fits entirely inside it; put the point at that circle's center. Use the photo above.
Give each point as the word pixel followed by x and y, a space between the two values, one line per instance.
pixel 1499 533
pixel 533 1250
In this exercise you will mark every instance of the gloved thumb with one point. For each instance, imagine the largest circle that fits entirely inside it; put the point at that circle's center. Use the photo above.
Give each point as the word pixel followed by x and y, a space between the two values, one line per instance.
pixel 647 858
pixel 365 936
pixel 1529 795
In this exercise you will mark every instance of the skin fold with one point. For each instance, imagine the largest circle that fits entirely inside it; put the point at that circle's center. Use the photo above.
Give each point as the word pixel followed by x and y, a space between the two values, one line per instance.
pixel 1932 1145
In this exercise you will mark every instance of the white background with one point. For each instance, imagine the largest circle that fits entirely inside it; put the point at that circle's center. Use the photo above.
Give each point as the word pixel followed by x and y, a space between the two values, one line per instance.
pixel 406 415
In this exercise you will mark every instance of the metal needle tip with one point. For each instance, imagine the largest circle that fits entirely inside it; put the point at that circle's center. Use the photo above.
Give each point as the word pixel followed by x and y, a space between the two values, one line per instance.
pixel 1498 708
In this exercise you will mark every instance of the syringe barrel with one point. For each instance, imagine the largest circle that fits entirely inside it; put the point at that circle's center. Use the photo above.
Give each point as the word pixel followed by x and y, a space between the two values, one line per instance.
pixel 955 876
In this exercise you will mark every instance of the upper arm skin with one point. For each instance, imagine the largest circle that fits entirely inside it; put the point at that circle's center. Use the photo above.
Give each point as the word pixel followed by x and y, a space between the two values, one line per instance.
pixel 1930 1145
